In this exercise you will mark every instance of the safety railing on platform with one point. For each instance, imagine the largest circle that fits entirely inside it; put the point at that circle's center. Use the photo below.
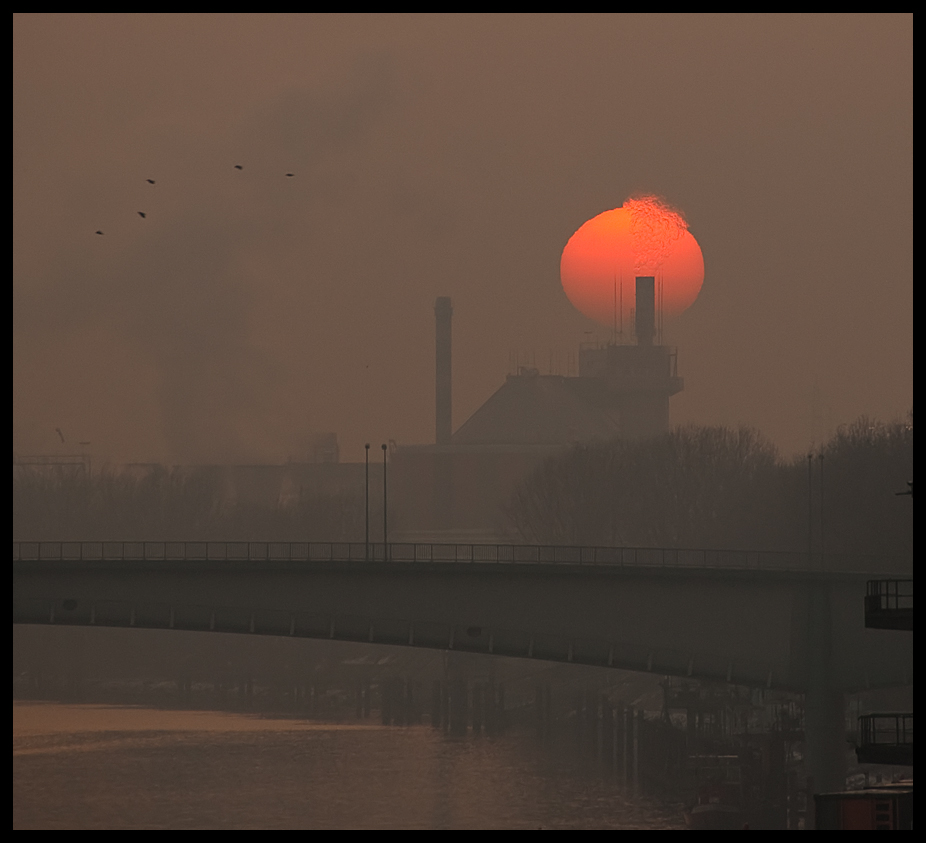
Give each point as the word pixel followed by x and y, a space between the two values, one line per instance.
pixel 885 729
pixel 407 552
pixel 889 595
pixel 885 738
pixel 889 604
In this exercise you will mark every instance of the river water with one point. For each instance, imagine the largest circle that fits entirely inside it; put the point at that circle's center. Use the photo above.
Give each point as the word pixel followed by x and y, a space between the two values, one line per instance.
pixel 92 766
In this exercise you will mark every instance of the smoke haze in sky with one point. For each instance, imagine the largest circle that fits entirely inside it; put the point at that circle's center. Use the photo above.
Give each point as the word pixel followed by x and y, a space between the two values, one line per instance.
pixel 441 155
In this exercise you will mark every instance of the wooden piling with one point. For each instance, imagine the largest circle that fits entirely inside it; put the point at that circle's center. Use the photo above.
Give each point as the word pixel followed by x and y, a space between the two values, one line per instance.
pixel 478 707
pixel 626 743
pixel 436 704
pixel 445 705
pixel 458 707
pixel 385 702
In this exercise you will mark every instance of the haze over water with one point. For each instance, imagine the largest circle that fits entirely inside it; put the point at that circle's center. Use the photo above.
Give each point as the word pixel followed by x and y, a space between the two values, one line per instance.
pixel 89 766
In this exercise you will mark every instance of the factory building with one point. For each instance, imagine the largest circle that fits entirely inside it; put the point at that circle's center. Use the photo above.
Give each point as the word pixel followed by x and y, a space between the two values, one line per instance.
pixel 456 489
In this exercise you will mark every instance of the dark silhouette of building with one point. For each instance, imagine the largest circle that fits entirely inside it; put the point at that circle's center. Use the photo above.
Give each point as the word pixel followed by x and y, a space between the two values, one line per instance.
pixel 459 485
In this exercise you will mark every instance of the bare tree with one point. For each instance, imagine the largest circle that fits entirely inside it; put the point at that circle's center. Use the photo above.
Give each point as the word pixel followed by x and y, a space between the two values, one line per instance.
pixel 695 486
pixel 177 504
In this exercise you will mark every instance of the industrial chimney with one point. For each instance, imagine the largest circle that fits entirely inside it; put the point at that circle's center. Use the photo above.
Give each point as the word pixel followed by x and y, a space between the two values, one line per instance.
pixel 645 319
pixel 443 311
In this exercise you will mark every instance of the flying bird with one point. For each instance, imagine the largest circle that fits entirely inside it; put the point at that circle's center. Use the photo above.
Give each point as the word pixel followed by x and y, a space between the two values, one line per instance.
pixel 150 181
pixel 142 214
pixel 99 232
pixel 290 175
pixel 238 167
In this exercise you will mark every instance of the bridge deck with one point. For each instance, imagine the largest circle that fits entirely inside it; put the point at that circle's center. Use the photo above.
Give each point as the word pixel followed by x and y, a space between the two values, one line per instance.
pixel 740 617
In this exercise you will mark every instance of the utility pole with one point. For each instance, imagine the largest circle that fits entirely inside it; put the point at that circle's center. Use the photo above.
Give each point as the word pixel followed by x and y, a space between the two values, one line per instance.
pixel 820 484
pixel 809 511
pixel 366 469
pixel 385 512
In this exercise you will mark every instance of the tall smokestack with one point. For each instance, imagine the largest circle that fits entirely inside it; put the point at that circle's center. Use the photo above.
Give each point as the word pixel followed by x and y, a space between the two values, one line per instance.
pixel 443 311
pixel 645 320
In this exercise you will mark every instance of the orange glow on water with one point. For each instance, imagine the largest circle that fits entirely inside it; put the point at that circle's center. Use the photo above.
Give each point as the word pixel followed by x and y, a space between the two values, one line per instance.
pixel 644 237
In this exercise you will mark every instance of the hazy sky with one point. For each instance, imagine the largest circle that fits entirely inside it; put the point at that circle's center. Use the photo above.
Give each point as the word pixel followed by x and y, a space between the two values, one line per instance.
pixel 441 155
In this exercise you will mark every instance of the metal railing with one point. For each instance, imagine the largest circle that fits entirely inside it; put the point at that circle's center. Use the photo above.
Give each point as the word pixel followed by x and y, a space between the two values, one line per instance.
pixel 885 730
pixel 402 552
pixel 889 595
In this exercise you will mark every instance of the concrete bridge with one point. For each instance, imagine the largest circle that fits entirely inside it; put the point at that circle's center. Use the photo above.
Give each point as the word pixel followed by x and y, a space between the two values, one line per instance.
pixel 762 619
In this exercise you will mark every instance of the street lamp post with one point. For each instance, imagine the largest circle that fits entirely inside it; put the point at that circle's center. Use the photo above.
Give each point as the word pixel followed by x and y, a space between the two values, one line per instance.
pixel 809 511
pixel 820 543
pixel 385 512
pixel 366 469
pixel 820 495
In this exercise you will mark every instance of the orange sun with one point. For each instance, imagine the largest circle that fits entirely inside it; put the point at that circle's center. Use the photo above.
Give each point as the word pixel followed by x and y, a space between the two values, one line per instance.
pixel 644 237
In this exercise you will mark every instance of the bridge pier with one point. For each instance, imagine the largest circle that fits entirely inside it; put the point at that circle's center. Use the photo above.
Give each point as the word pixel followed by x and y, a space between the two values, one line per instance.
pixel 825 738
pixel 824 703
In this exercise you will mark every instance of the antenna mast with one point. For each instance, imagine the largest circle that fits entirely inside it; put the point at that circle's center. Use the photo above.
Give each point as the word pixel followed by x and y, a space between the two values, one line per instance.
pixel 622 306
pixel 614 332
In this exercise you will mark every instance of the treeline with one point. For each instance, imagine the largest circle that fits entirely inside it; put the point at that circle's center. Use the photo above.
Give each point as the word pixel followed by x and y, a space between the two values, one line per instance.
pixel 65 503
pixel 701 487
pixel 723 488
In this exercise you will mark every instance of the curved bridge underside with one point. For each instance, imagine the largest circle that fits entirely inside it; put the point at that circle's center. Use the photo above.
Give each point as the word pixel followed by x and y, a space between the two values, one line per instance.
pixel 780 629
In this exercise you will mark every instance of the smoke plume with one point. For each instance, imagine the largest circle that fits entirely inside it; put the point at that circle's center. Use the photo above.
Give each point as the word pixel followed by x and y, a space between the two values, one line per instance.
pixel 654 226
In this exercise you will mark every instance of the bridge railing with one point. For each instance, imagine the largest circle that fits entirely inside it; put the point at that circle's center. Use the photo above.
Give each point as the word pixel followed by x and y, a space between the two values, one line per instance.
pixel 407 552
